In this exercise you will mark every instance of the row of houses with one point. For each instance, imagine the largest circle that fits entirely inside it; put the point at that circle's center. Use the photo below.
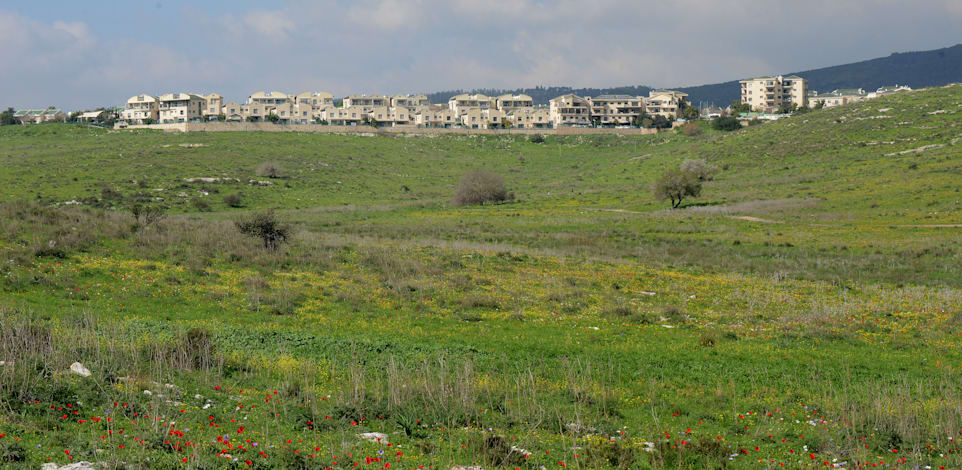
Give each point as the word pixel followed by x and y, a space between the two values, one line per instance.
pixel 475 111
pixel 850 95
pixel 774 94
pixel 38 116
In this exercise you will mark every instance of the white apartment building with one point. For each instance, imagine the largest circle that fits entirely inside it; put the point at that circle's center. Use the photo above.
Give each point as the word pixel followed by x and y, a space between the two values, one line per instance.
pixel 435 115
pixel 768 94
pixel 512 102
pixel 463 102
pixel 616 109
pixel 665 103
pixel 409 101
pixel 141 108
pixel 180 107
pixel 570 110
pixel 530 118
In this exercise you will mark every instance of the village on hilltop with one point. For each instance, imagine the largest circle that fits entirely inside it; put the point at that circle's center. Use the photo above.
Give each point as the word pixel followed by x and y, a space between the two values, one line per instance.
pixel 763 97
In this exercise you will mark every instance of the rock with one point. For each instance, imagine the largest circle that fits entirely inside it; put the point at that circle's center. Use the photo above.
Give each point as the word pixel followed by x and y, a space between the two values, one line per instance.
pixel 260 183
pixel 376 437
pixel 73 466
pixel 462 467
pixel 79 369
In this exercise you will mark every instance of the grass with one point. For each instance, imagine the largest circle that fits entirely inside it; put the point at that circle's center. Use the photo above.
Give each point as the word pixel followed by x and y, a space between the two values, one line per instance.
pixel 583 322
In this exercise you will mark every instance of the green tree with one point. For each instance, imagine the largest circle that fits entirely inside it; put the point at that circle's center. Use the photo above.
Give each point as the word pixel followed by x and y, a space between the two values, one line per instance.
pixel 6 117
pixel 273 118
pixel 726 123
pixel 676 185
pixel 221 117
pixel 265 226
pixel 661 122
pixel 738 107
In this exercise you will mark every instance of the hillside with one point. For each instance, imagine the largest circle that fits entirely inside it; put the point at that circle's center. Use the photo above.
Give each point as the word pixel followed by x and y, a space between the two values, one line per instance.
pixel 916 69
pixel 803 311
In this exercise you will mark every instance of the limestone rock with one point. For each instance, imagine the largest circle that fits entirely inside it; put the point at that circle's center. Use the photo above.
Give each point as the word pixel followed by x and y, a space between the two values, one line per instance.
pixel 79 369
pixel 376 437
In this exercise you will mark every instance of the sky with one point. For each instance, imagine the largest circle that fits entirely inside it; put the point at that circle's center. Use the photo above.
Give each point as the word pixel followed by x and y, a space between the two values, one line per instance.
pixel 82 54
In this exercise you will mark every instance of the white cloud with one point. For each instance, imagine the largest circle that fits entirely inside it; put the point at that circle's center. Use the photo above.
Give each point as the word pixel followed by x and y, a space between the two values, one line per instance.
pixel 274 25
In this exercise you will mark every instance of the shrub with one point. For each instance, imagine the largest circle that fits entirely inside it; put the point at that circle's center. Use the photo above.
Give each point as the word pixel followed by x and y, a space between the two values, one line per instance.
pixel 536 139
pixel 676 185
pixel 267 227
pixel 145 215
pixel 726 123
pixel 691 129
pixel 234 200
pixel 200 205
pixel 700 168
pixel 754 122
pixel 479 187
pixel 270 170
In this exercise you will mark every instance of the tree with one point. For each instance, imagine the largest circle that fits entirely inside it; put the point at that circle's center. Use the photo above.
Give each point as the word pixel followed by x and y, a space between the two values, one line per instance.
pixel 505 123
pixel 273 118
pixel 479 187
pixel 148 121
pixel 676 185
pixel 786 108
pixel 267 227
pixel 6 117
pixel 686 110
pixel 251 119
pixel 726 123
pixel 820 105
pixel 221 117
pixel 145 215
pixel 369 121
pixel 661 122
pixel 639 120
pixel 738 107
pixel 702 170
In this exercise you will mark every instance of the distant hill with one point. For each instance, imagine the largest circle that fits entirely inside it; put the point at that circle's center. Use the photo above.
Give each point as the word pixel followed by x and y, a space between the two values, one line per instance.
pixel 915 69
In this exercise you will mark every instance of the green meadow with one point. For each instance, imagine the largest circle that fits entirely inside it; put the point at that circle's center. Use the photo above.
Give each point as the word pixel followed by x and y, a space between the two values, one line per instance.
pixel 805 311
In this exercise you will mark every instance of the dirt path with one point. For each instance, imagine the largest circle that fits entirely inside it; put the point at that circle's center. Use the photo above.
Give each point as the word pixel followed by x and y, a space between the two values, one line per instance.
pixel 754 219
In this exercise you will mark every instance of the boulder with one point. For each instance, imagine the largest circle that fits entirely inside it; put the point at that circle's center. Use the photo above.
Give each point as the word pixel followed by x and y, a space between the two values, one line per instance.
pixel 79 369
pixel 73 466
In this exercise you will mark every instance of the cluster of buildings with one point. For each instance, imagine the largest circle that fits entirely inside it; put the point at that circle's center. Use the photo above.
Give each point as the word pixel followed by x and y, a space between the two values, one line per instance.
pixel 38 116
pixel 772 94
pixel 473 111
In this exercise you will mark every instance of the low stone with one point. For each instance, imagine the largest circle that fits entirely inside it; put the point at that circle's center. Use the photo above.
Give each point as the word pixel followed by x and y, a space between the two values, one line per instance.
pixel 79 369
pixel 376 437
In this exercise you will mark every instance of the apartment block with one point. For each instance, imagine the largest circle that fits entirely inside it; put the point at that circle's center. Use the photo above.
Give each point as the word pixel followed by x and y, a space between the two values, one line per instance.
pixel 665 103
pixel 366 101
pixel 463 102
pixel 616 109
pixel 435 115
pixel 141 108
pixel 180 107
pixel 530 118
pixel 214 106
pixel 38 116
pixel 512 102
pixel 768 94
pixel 409 101
pixel 570 110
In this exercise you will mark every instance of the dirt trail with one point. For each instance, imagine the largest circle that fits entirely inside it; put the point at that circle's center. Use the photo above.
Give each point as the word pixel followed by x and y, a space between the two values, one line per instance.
pixel 754 219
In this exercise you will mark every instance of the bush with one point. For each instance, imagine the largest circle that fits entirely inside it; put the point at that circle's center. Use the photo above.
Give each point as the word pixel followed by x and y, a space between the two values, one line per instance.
pixel 267 227
pixel 479 187
pixel 754 122
pixel 536 139
pixel 676 185
pixel 145 215
pixel 234 200
pixel 726 123
pixel 700 168
pixel 200 205
pixel 691 129
pixel 270 170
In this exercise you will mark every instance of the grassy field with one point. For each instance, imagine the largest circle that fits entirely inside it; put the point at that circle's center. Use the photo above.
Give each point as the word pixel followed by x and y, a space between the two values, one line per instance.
pixel 805 312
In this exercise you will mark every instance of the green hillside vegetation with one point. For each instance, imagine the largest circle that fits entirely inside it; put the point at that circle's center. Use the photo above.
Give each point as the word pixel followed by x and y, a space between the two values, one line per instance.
pixel 804 310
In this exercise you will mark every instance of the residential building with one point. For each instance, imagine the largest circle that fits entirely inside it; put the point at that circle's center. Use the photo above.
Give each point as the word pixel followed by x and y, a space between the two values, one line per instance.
pixel 141 109
pixel 409 101
pixel 234 111
pixel 366 102
pixel 769 94
pixel 511 102
pixel 460 103
pixel 616 110
pixel 570 110
pixel 837 98
pixel 342 116
pixel 889 90
pixel 315 99
pixel 435 115
pixel 214 106
pixel 665 103
pixel 180 107
pixel 530 118
pixel 38 116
